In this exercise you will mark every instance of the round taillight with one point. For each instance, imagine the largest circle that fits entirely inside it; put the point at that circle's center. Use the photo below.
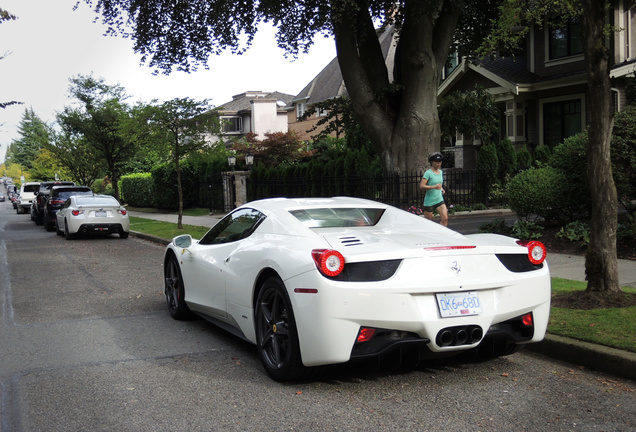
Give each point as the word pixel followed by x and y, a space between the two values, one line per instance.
pixel 75 212
pixel 329 262
pixel 122 212
pixel 536 251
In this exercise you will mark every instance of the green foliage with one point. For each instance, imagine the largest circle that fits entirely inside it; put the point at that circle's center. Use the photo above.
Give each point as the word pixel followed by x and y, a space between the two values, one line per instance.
pixel 496 226
pixel 537 192
pixel 524 159
pixel 623 154
pixel 471 113
pixel 507 160
pixel 34 135
pixel 488 162
pixel 525 230
pixel 542 156
pixel 570 158
pixel 137 190
pixel 577 232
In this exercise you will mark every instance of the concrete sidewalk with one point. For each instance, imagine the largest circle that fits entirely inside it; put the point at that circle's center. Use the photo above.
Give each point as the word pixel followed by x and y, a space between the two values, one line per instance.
pixel 564 266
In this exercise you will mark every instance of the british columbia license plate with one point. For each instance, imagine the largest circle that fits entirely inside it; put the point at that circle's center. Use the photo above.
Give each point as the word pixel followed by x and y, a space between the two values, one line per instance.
pixel 459 304
pixel 100 213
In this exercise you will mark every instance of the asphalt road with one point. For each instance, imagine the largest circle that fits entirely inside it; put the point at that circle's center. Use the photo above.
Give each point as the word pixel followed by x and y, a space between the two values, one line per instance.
pixel 86 344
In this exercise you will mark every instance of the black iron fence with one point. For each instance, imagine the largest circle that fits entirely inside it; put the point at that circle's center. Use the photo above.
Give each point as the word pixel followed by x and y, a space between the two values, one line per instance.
pixel 463 188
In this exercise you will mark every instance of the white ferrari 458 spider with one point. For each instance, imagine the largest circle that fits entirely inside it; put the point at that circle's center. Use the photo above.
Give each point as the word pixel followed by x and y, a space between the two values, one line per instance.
pixel 320 281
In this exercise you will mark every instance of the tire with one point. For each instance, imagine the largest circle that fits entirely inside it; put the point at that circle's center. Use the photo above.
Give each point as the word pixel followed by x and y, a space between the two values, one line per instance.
pixel 123 235
pixel 174 290
pixel 57 229
pixel 67 235
pixel 48 225
pixel 276 334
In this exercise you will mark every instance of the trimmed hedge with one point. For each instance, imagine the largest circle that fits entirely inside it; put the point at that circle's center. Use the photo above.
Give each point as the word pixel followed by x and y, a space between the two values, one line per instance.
pixel 137 190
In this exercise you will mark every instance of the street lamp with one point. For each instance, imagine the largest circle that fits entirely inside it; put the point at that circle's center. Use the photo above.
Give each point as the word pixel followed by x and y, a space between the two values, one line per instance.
pixel 231 160
pixel 249 161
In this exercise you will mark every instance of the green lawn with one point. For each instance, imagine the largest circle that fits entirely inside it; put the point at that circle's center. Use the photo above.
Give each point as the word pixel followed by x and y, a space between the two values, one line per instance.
pixel 615 327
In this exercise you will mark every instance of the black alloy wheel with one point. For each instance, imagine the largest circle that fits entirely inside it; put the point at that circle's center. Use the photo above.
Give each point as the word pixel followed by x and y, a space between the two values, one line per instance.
pixel 175 291
pixel 276 334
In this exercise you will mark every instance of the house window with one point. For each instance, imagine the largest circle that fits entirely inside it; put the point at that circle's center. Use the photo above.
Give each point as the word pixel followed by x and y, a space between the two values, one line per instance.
pixel 300 110
pixel 232 124
pixel 565 41
pixel 561 119
pixel 321 112
pixel 515 121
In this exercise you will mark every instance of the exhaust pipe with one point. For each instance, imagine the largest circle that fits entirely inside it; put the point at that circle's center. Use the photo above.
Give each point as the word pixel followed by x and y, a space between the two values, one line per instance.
pixel 445 338
pixel 461 335
pixel 476 334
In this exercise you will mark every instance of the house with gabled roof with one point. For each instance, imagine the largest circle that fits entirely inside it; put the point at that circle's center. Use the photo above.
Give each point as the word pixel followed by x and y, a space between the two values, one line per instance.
pixel 542 94
pixel 253 111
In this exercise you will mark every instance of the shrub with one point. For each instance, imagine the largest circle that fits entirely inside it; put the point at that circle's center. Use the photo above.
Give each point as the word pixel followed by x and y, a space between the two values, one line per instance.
pixel 623 150
pixel 524 159
pixel 507 160
pixel 576 231
pixel 537 192
pixel 525 230
pixel 138 190
pixel 542 156
pixel 570 157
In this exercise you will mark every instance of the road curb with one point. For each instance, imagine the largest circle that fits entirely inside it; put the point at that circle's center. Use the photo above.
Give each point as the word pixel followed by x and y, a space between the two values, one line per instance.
pixel 592 356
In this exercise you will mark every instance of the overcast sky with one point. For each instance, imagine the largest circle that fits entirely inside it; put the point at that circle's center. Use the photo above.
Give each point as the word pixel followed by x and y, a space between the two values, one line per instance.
pixel 50 43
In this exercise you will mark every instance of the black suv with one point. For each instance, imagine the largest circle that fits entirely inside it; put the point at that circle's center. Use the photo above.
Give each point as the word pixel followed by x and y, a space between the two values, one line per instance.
pixel 56 199
pixel 39 203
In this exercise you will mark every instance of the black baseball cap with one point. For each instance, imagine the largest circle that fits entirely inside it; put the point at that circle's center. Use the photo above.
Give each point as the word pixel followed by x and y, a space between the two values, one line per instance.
pixel 435 157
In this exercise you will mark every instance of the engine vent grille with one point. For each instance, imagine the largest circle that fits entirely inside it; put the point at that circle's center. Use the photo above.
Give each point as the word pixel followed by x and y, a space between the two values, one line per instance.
pixel 350 241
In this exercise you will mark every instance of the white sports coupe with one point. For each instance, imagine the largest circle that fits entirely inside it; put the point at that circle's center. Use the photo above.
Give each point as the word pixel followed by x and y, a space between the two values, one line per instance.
pixel 320 281
pixel 92 214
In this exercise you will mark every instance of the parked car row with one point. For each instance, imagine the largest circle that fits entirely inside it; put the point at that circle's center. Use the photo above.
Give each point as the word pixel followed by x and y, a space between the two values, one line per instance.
pixel 71 210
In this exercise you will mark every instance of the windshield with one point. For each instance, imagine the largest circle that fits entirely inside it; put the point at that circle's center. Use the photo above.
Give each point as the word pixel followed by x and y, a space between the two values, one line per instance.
pixel 338 217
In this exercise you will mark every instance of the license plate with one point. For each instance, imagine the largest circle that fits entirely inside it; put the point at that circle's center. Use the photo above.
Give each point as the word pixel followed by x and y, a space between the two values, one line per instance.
pixel 100 214
pixel 459 304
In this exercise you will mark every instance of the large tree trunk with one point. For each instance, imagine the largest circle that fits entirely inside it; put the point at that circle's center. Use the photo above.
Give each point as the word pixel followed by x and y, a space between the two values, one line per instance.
pixel 400 117
pixel 601 266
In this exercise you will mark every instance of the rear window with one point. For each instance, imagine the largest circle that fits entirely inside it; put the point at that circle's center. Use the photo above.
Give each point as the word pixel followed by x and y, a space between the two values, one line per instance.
pixel 338 217
pixel 66 194
pixel 31 188
pixel 97 201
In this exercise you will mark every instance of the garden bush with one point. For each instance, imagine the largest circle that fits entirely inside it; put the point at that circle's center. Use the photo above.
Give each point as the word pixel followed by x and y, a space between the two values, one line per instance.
pixel 542 156
pixel 137 190
pixel 537 192
pixel 570 157
pixel 524 159
pixel 507 160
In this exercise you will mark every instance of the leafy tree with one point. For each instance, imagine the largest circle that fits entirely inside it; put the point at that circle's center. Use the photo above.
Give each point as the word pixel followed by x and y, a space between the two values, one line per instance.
pixel 397 106
pixel 601 264
pixel 471 113
pixel 34 135
pixel 277 148
pixel 99 119
pixel 183 123
pixel 78 157
pixel 46 167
